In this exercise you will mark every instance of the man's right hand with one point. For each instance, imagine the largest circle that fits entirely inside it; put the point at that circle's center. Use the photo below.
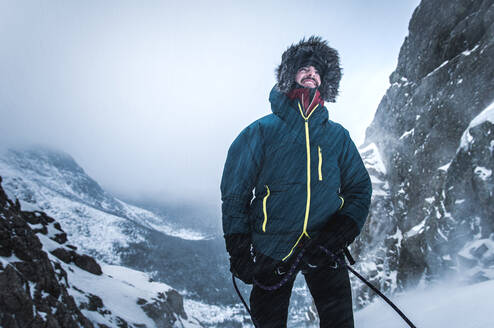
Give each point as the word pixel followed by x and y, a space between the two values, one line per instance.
pixel 242 269
pixel 241 262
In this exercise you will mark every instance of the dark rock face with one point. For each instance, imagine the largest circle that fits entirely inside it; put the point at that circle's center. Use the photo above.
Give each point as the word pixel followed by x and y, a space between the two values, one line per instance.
pixel 436 191
pixel 33 291
pixel 83 261
pixel 164 308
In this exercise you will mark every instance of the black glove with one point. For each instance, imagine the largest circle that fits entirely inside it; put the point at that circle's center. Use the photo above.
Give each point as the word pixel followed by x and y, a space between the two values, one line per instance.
pixel 241 261
pixel 340 232
pixel 336 236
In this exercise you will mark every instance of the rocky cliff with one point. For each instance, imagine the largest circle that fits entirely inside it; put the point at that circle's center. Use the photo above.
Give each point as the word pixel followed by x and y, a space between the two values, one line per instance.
pixel 430 150
pixel 33 291
pixel 46 282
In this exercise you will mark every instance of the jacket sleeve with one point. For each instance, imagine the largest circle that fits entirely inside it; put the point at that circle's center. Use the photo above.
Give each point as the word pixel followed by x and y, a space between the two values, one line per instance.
pixel 356 187
pixel 240 173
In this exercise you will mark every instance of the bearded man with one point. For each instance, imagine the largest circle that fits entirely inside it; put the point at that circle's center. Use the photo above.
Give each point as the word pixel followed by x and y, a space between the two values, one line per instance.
pixel 294 191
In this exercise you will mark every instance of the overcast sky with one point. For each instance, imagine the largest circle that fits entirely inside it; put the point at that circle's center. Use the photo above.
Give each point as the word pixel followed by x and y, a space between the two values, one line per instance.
pixel 147 96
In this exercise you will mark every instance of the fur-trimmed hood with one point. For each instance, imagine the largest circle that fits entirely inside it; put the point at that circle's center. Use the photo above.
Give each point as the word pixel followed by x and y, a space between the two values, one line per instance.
pixel 317 49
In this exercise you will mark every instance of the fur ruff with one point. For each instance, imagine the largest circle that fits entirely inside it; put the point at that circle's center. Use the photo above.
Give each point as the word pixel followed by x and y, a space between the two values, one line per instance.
pixel 317 48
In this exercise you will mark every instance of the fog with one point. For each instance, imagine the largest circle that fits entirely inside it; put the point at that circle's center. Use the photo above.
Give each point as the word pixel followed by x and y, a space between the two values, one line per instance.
pixel 148 95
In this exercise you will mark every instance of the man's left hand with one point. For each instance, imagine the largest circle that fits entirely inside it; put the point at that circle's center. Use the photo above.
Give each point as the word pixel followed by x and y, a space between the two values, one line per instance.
pixel 339 234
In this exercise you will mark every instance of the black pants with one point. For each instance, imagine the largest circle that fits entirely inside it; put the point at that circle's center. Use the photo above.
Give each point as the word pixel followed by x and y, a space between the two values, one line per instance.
pixel 329 287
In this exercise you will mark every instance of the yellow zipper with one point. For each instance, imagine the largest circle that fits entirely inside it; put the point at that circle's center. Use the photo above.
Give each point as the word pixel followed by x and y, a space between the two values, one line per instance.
pixel 264 200
pixel 307 206
pixel 342 203
pixel 319 168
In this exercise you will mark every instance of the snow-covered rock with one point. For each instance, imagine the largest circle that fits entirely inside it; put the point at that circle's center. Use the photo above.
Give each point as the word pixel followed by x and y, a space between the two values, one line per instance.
pixel 434 132
pixel 112 231
pixel 45 281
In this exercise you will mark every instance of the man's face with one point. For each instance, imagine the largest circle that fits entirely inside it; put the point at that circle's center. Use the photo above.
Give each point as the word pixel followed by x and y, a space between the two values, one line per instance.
pixel 308 77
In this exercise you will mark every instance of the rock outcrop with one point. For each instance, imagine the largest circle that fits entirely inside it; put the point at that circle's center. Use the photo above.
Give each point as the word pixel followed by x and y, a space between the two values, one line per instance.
pixel 33 289
pixel 36 290
pixel 430 152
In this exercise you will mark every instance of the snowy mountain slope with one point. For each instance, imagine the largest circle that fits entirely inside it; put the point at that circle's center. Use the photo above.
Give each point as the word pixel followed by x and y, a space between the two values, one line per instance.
pixel 52 284
pixel 95 221
pixel 115 232
pixel 442 306
pixel 120 295
pixel 38 175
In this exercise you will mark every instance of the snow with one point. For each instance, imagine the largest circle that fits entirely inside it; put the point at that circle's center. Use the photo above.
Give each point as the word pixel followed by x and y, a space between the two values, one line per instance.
pixel 119 288
pixel 438 68
pixel 39 184
pixel 48 244
pixel 442 306
pixel 372 158
pixel 486 115
pixel 117 293
pixel 445 167
pixel 429 200
pixel 368 266
pixel 35 226
pixel 379 187
pixel 483 172
pixel 466 251
pixel 416 229
pixel 137 279
pixel 95 221
pixel 375 179
pixel 441 233
pixel 43 315
pixel 213 314
pixel 407 133
pixel 155 222
pixel 397 235
pixel 468 52
pixel 7 260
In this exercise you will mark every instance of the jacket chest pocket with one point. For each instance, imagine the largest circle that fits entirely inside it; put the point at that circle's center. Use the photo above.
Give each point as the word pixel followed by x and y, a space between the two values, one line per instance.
pixel 264 208
pixel 328 171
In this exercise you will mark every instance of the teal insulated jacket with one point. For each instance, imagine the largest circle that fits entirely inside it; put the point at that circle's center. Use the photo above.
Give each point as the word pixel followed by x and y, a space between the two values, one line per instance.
pixel 286 175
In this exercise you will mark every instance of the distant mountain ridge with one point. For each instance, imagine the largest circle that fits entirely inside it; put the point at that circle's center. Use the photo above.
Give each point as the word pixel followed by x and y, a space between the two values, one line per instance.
pixel 114 232
pixel 44 180
pixel 46 282
pixel 51 181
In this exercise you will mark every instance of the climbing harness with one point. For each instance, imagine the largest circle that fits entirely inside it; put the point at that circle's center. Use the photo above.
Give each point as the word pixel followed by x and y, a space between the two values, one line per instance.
pixel 339 261
pixel 287 275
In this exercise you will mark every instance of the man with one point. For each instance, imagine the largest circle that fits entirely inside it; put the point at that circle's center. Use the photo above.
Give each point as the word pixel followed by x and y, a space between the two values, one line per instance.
pixel 311 193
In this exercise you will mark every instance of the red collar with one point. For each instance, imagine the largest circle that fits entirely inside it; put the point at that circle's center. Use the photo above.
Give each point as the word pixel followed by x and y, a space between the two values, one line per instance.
pixel 303 95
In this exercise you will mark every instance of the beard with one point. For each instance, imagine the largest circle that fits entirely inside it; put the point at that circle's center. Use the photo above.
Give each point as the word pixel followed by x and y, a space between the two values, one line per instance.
pixel 309 79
